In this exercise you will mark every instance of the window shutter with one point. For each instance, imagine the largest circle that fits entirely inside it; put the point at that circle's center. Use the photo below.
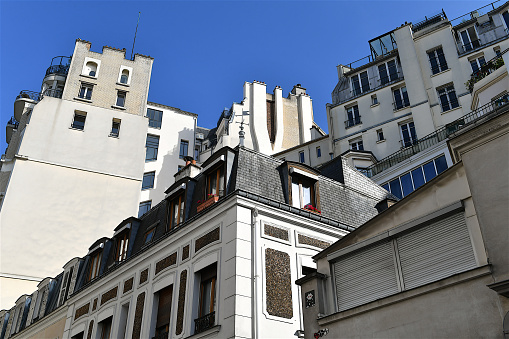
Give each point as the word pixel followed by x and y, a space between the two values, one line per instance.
pixel 436 251
pixel 365 276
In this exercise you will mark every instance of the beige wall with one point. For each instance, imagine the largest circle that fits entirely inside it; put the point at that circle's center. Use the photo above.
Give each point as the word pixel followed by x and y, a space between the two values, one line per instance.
pixel 53 331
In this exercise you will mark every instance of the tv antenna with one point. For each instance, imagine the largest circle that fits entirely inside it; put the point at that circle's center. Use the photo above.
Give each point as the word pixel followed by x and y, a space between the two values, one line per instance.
pixel 132 51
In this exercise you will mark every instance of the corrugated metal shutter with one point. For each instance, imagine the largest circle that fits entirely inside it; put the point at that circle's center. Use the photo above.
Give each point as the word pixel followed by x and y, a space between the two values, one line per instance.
pixel 436 251
pixel 365 276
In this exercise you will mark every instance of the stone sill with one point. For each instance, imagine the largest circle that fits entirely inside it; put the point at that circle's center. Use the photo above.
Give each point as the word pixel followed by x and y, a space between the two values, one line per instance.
pixel 208 333
pixel 380 141
pixel 118 107
pixel 453 109
pixel 396 110
pixel 434 75
pixel 121 84
pixel 88 76
pixel 83 99
pixel 408 294
pixel 374 105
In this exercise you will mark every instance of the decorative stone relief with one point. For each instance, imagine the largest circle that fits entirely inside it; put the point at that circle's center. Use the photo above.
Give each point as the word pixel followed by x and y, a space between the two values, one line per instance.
pixel 166 262
pixel 109 295
pixel 185 252
pixel 90 328
pixel 143 276
pixel 81 311
pixel 305 240
pixel 278 283
pixel 128 285
pixel 138 316
pixel 276 232
pixel 73 278
pixel 32 307
pixel 206 239
pixel 181 303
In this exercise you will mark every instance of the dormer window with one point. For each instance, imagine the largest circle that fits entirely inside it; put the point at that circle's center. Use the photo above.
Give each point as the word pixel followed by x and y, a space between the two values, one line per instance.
pixel 176 212
pixel 303 189
pixel 95 264
pixel 215 182
pixel 122 245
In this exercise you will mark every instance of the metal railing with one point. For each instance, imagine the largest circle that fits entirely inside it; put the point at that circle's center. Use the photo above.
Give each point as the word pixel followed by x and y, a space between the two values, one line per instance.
pixel 204 323
pixel 53 92
pixel 474 14
pixel 57 69
pixel 486 69
pixel 13 122
pixel 35 96
pixel 499 32
pixel 429 21
pixel 434 138
pixel 352 122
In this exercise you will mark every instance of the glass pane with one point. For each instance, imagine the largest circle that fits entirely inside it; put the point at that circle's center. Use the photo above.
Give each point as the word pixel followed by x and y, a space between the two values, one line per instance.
pixel 444 102
pixel 453 99
pixel 473 65
pixel 213 183
pixel 440 164
pixel 396 188
pixel 364 81
pixel 382 71
pixel 205 302
pixel 441 59
pixel 306 194
pixel 398 103
pixel 221 182
pixel 295 193
pixel 418 177
pixel 466 41
pixel 433 61
pixel 393 71
pixel 429 171
pixel 406 101
pixel 406 183
pixel 386 186
pixel 356 88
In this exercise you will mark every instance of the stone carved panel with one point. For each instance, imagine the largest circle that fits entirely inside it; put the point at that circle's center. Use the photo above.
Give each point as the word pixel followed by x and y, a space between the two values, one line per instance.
pixel 206 239
pixel 305 240
pixel 185 252
pixel 166 262
pixel 278 283
pixel 109 295
pixel 94 306
pixel 81 311
pixel 276 232
pixel 128 285
pixel 138 316
pixel 143 276
pixel 181 303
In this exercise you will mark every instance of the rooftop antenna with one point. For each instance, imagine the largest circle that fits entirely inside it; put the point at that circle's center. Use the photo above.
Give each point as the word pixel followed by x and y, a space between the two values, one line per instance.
pixel 132 51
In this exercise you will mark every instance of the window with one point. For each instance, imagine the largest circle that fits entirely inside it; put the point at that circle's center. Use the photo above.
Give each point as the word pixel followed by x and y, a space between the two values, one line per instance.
pixel 122 246
pixel 303 192
pixel 374 100
pixel 448 99
pixel 380 135
pixel 318 152
pixel 124 77
pixel 115 128
pixel 400 98
pixel 184 145
pixel 90 69
pixel 149 235
pixel 437 60
pixel 120 99
pixel 352 116
pixel 176 212
pixel 505 16
pixel 95 265
pixel 85 91
pixel 124 313
pixel 144 207
pixel 207 303
pixel 301 157
pixel 497 50
pixel 469 39
pixel 408 135
pixel 79 120
pixel 163 312
pixel 148 180
pixel 215 182
pixel 155 118
pixel 410 181
pixel 388 72
pixel 197 153
pixel 360 83
pixel 104 328
pixel 152 145
pixel 477 63
pixel 357 145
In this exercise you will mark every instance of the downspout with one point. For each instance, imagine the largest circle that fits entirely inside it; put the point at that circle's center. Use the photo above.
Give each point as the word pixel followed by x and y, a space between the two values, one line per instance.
pixel 254 246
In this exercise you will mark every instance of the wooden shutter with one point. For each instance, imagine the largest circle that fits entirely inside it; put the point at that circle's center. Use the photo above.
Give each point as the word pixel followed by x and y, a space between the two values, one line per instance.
pixel 436 251
pixel 365 276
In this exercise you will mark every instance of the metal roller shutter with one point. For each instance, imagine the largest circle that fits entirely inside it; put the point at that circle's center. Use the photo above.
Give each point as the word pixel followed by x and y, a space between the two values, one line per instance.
pixel 436 251
pixel 365 276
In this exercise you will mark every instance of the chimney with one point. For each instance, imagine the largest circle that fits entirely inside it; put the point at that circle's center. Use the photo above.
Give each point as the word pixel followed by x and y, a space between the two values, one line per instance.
pixel 298 90
pixel 189 170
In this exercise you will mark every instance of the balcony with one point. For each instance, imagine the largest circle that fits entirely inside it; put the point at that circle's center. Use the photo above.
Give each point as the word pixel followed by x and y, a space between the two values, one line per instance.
pixel 486 69
pixel 59 66
pixel 23 100
pixel 204 323
pixel 10 128
pixel 427 22
pixel 490 36
pixel 434 138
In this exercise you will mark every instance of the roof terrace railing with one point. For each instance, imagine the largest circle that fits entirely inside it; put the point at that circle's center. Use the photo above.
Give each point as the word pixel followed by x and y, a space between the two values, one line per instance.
pixel 436 137
pixel 35 96
pixel 474 14
pixel 12 121
pixel 59 65
pixel 428 21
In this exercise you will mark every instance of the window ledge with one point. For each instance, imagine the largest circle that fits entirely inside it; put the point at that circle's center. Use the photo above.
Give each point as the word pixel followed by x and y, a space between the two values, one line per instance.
pixel 353 126
pixel 437 74
pixel 445 112
pixel 380 141
pixel 374 105
pixel 118 107
pixel 88 76
pixel 208 333
pixel 401 109
pixel 121 84
pixel 77 129
pixel 83 99
pixel 113 136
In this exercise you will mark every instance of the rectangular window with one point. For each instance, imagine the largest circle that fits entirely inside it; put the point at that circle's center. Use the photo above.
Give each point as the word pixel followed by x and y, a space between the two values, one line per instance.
pixel 301 157
pixel 95 265
pixel 79 120
pixel 144 207
pixel 115 128
pixel 448 99
pixel 207 302
pixel 318 152
pixel 356 145
pixel 215 182
pixel 148 180
pixel 121 98
pixel 104 328
pixel 184 145
pixel 176 212
pixel 380 135
pixel 155 118
pixel 360 83
pixel 303 192
pixel 151 145
pixel 122 245
pixel 437 60
pixel 408 135
pixel 164 312
pixel 469 39
pixel 477 63
pixel 374 100
pixel 388 72
pixel 149 235
pixel 400 98
pixel 352 116
pixel 85 91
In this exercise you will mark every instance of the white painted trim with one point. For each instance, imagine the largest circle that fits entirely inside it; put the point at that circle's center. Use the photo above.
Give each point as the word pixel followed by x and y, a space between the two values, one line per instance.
pixel 215 162
pixel 163 281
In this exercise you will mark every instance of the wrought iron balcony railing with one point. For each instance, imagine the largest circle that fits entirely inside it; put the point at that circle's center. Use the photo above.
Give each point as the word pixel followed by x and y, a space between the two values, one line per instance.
pixel 59 65
pixel 35 96
pixel 434 138
pixel 54 93
pixel 204 323
pixel 429 21
pixel 13 122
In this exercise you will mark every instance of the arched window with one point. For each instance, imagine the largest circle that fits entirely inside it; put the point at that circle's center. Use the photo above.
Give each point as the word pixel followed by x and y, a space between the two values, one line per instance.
pixel 124 77
pixel 91 68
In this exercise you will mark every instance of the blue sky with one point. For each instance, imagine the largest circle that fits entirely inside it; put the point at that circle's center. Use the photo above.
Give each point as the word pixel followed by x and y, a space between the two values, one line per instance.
pixel 205 50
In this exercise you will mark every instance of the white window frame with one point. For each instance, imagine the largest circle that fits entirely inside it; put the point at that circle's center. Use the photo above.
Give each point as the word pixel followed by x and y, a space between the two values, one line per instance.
pixel 89 89
pixel 386 65
pixel 85 67
pixel 463 44
pixel 407 124
pixel 477 62
pixel 356 142
pixel 358 76
pixel 448 90
pixel 130 70
pixel 441 68
pixel 378 133
pixel 400 90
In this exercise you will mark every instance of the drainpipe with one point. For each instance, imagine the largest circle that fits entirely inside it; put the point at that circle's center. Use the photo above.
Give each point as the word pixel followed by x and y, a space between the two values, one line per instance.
pixel 254 246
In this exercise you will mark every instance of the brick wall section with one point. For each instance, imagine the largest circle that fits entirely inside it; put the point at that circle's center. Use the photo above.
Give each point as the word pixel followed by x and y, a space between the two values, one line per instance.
pixel 105 89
